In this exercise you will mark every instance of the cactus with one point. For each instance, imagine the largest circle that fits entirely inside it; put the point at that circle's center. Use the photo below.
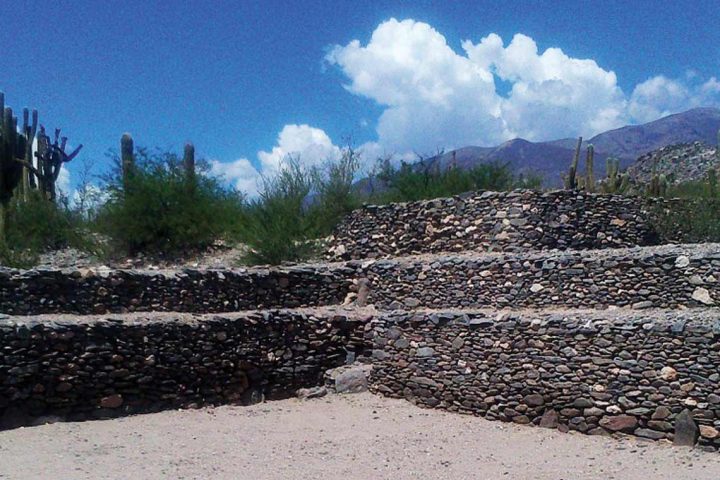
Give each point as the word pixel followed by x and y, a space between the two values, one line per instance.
pixel 127 155
pixel 589 169
pixel 658 183
pixel 189 160
pixel 614 182
pixel 13 148
pixel 50 156
pixel 571 182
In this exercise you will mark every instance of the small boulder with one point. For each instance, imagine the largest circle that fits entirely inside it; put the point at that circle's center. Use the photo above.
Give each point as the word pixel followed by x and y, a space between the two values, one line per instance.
pixel 686 430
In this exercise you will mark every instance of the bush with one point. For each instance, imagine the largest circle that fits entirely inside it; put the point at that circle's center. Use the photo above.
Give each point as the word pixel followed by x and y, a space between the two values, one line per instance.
pixel 695 214
pixel 38 226
pixel 164 211
pixel 279 226
pixel 336 194
pixel 411 182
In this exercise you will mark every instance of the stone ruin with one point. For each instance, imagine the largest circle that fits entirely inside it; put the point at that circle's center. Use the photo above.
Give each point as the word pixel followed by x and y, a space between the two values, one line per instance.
pixel 561 310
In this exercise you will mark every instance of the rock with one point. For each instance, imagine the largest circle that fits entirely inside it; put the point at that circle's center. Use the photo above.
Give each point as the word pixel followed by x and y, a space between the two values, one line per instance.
pixel 682 261
pixel 702 295
pixel 348 378
pixel 642 305
pixel 709 432
pixel 111 401
pixel 647 433
pixel 425 352
pixel 412 302
pixel 534 400
pixel 550 419
pixel 619 423
pixel 310 393
pixel 583 403
pixel 661 413
pixel 536 287
pixel 668 373
pixel 686 430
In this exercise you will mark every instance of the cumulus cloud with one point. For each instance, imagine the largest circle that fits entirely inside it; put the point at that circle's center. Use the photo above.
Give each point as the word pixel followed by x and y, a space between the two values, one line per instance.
pixel 436 96
pixel 660 96
pixel 312 146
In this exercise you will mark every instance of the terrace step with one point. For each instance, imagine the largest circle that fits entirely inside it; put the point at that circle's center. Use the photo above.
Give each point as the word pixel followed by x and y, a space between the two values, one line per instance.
pixel 597 372
pixel 519 220
pixel 669 276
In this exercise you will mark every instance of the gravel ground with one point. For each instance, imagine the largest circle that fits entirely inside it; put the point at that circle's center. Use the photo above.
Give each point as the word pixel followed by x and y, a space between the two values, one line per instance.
pixel 336 437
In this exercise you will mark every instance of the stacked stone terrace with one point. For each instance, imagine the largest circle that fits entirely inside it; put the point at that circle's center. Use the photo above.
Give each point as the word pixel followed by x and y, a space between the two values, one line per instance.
pixel 562 310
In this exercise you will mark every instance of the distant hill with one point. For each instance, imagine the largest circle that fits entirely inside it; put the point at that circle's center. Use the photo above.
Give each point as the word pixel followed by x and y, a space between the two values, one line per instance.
pixel 551 158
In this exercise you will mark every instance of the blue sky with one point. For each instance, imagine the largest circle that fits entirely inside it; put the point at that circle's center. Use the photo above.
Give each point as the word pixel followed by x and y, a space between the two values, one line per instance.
pixel 249 82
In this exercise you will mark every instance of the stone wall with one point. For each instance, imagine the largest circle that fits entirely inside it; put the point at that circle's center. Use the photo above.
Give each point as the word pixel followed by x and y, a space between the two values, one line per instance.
pixel 661 277
pixel 593 372
pixel 105 366
pixel 494 221
pixel 35 292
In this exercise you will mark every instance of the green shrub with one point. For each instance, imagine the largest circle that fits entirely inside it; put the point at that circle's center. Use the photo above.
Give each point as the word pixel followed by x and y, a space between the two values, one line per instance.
pixel 411 182
pixel 279 226
pixel 163 211
pixel 38 226
pixel 336 195
pixel 694 215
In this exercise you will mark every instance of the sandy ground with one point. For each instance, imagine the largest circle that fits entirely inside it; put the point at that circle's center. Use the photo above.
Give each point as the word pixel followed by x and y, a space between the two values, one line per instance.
pixel 337 437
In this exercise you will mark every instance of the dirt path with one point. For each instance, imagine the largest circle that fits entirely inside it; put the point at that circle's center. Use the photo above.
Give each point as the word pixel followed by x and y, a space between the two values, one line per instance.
pixel 338 437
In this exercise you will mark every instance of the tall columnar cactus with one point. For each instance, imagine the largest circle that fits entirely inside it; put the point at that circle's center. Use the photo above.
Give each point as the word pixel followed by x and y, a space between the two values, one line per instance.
pixel 614 181
pixel 571 182
pixel 12 152
pixel 658 183
pixel 51 156
pixel 127 155
pixel 189 160
pixel 589 169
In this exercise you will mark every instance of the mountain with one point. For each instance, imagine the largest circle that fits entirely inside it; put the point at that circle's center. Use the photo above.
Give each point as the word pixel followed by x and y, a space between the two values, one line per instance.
pixel 552 158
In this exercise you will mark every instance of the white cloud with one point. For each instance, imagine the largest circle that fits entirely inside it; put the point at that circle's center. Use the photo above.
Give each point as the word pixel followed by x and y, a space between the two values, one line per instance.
pixel 312 146
pixel 660 96
pixel 435 96
pixel 241 173
pixel 63 181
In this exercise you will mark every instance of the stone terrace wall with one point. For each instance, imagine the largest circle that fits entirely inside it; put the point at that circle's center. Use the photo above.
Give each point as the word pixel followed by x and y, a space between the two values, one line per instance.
pixel 661 277
pixel 35 292
pixel 494 221
pixel 597 373
pixel 105 366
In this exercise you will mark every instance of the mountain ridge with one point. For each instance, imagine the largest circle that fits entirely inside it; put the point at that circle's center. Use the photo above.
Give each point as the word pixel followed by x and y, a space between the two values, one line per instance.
pixel 550 158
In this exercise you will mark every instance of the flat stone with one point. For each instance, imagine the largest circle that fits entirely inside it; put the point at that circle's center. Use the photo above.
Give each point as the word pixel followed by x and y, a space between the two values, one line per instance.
pixel 648 433
pixel 534 400
pixel 619 423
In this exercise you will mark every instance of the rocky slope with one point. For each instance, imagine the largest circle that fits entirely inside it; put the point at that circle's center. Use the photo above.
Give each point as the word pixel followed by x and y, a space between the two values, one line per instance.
pixel 681 162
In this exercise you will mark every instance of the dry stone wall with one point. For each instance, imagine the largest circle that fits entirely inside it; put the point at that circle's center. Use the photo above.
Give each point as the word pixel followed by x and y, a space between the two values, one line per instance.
pixel 34 292
pixel 495 221
pixel 104 366
pixel 594 372
pixel 660 277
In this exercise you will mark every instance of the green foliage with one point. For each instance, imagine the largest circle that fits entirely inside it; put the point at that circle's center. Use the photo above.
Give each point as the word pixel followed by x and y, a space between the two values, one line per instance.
pixel 695 215
pixel 159 209
pixel 36 226
pixel 279 225
pixel 411 182
pixel 336 194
